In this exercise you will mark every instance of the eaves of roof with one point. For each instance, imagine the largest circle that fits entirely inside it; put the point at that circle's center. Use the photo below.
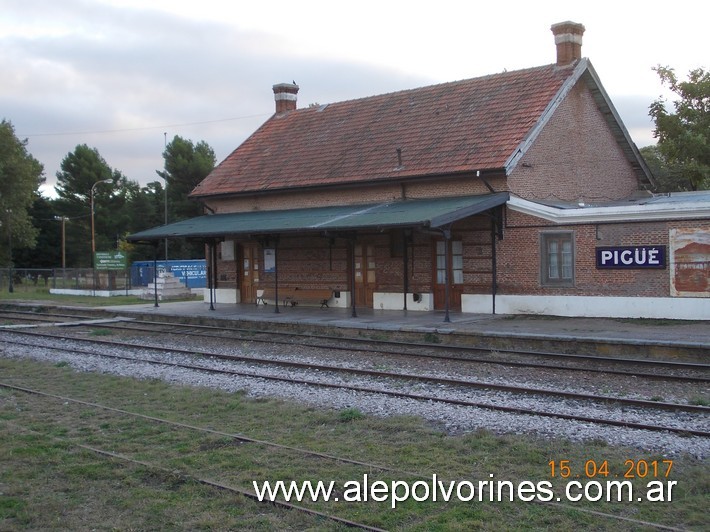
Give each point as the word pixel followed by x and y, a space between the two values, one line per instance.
pixel 655 208
pixel 428 213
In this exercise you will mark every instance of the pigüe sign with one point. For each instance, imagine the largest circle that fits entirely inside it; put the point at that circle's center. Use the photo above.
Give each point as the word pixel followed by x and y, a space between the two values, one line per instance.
pixel 631 257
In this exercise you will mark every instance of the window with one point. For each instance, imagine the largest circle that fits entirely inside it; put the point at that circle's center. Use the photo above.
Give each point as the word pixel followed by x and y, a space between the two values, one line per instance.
pixel 456 270
pixel 557 259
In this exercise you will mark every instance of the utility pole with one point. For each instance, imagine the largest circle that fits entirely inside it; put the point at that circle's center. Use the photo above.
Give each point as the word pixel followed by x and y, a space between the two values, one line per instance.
pixel 93 235
pixel 10 287
pixel 64 240
pixel 165 146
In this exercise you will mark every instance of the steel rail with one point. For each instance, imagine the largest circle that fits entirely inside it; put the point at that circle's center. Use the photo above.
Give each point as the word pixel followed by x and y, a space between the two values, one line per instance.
pixel 659 405
pixel 207 482
pixel 486 359
pixel 667 364
pixel 239 437
pixel 462 348
pixel 422 397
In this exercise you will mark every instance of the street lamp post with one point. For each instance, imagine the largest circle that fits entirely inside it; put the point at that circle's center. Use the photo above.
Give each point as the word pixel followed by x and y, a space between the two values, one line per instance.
pixel 10 287
pixel 64 249
pixel 93 235
pixel 63 219
pixel 165 146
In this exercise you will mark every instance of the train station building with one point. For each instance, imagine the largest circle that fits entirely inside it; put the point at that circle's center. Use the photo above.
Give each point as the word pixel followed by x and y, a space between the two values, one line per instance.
pixel 517 192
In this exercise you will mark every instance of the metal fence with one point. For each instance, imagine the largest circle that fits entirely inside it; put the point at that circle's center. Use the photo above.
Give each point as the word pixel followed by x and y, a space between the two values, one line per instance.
pixel 32 279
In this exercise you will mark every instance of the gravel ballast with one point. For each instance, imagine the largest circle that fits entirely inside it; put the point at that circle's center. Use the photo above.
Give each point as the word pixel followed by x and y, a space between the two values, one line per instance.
pixel 455 419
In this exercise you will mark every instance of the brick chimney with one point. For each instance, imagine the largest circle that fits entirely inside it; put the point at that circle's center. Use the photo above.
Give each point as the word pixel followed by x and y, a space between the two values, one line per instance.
pixel 285 96
pixel 568 39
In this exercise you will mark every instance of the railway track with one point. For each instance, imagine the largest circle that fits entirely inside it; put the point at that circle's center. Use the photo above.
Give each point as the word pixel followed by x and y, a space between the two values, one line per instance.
pixel 205 431
pixel 664 370
pixel 447 391
pixel 420 387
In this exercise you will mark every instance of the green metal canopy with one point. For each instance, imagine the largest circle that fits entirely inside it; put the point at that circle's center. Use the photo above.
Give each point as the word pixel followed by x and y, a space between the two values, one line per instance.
pixel 424 213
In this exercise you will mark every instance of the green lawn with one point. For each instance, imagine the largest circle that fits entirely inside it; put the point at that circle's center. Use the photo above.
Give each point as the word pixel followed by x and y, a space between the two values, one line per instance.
pixel 31 293
pixel 48 482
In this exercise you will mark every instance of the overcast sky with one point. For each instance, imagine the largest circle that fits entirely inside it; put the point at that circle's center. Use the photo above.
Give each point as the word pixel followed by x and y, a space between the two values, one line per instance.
pixel 118 75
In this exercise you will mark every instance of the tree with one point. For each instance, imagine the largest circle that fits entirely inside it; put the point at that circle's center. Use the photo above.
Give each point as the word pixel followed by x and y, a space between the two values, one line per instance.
pixel 47 253
pixel 20 178
pixel 186 165
pixel 80 171
pixel 684 135
pixel 670 177
pixel 144 208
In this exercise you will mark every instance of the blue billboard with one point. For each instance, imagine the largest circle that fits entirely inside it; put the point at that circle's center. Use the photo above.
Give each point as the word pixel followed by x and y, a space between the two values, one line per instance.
pixel 191 273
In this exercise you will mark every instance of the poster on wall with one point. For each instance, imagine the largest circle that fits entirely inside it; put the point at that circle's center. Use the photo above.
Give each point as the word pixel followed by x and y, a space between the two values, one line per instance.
pixel 690 262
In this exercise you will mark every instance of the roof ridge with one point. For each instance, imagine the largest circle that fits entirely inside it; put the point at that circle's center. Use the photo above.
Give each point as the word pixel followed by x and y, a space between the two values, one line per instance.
pixel 441 84
pixel 445 128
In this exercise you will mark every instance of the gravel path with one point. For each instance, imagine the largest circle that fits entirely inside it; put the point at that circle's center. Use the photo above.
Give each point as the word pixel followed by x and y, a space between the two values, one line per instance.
pixel 453 418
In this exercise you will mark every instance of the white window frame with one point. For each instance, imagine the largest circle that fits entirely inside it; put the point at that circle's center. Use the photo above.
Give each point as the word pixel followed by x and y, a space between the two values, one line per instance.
pixel 559 273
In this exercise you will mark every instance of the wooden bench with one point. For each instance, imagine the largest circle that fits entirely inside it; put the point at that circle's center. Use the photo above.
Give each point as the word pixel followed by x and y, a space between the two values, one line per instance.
pixel 285 294
pixel 312 295
pixel 294 296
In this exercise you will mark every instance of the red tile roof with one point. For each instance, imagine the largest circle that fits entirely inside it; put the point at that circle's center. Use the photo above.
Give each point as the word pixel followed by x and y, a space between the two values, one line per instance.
pixel 465 125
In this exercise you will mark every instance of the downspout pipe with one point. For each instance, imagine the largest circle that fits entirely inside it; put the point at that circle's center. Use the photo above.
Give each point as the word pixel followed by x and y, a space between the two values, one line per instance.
pixel 352 275
pixel 155 274
pixel 212 250
pixel 405 267
pixel 276 275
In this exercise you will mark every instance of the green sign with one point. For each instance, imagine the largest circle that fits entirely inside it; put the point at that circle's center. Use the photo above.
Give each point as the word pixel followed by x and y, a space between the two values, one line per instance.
pixel 110 260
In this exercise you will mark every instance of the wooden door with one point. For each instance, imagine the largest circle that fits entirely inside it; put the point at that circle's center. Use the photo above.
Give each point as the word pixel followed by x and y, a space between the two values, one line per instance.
pixel 249 272
pixel 453 268
pixel 365 275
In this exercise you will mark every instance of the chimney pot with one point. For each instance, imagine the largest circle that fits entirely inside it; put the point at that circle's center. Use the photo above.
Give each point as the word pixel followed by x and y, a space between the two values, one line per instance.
pixel 285 97
pixel 568 40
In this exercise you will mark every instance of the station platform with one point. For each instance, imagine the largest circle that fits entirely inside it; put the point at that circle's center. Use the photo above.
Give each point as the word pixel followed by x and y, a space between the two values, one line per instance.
pixel 693 335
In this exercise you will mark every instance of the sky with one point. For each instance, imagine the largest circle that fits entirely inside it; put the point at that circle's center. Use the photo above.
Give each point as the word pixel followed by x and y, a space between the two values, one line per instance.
pixel 125 76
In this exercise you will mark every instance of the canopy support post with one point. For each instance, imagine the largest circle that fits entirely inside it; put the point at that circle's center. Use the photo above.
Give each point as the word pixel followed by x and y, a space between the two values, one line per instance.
pixel 447 281
pixel 351 241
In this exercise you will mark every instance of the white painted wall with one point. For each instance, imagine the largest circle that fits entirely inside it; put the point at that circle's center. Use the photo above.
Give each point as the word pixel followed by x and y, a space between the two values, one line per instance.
pixel 684 308
pixel 394 301
pixel 222 295
pixel 97 293
pixel 343 301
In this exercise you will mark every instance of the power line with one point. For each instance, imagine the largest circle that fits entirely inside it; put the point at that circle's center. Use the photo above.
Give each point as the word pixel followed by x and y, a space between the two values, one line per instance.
pixel 147 128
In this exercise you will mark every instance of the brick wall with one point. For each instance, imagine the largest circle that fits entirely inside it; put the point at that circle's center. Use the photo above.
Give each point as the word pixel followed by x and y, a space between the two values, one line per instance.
pixel 575 157
pixel 315 261
pixel 519 257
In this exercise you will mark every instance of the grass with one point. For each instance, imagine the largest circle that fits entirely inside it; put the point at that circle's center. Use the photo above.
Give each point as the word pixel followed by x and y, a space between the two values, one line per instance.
pixel 100 332
pixel 350 414
pixel 650 322
pixel 699 401
pixel 49 482
pixel 432 338
pixel 35 293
